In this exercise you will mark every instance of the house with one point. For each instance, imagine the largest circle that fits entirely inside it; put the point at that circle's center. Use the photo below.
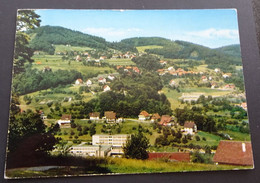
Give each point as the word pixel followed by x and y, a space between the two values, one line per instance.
pixel 217 70
pixel 110 116
pixel 162 62
pixel 171 68
pixel 165 120
pixel 136 70
pixel 229 87
pixel 226 75
pixel 89 82
pixel 155 117
pixel 78 58
pixel 204 78
pixel 244 106
pixel 102 58
pixel 65 120
pixel 102 80
pixel 111 77
pixel 94 115
pixel 106 88
pixel 172 83
pixel 78 82
pixel 173 156
pixel 234 153
pixel 144 116
pixel 190 127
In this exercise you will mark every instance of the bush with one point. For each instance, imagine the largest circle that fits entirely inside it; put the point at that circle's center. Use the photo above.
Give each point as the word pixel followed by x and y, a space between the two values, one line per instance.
pixel 197 138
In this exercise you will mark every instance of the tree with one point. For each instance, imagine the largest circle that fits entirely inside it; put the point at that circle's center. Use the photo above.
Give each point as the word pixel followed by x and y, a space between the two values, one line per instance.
pixel 26 20
pixel 136 147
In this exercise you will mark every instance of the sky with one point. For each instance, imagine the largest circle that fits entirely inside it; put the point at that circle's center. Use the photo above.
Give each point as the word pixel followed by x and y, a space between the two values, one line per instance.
pixel 211 27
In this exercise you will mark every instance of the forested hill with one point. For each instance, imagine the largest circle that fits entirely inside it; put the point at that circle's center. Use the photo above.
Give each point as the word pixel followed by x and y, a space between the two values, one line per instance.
pixel 43 39
pixel 233 50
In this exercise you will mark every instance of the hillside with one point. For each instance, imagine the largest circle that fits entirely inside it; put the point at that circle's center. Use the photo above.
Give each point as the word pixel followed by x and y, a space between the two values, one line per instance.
pixel 233 50
pixel 43 39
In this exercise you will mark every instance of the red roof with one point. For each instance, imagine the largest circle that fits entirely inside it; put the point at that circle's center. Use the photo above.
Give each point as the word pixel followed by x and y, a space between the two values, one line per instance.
pixel 94 114
pixel 144 113
pixel 110 115
pixel 176 156
pixel 189 124
pixel 156 116
pixel 165 119
pixel 66 117
pixel 234 152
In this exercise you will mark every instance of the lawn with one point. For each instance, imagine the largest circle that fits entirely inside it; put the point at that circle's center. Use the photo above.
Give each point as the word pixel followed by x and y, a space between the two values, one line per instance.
pixel 64 48
pixel 143 48
pixel 173 97
pixel 55 63
pixel 237 135
pixel 121 61
pixel 211 139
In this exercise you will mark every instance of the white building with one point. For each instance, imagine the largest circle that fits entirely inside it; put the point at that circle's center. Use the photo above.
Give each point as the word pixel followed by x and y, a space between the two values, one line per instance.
pixel 190 127
pixel 88 150
pixel 106 88
pixel 89 82
pixel 114 140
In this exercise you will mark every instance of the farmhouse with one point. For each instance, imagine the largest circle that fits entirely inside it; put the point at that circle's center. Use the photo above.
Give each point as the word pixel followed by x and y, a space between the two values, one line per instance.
pixel 106 88
pixel 144 116
pixel 110 116
pixel 94 116
pixel 102 80
pixel 65 120
pixel 190 127
pixel 234 153
pixel 165 120
pixel 111 77
pixel 172 83
pixel 175 156
pixel 89 82
pixel 155 117
pixel 78 82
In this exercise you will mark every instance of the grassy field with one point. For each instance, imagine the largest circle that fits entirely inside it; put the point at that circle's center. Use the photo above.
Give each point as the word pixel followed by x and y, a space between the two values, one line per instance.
pixel 123 166
pixel 173 97
pixel 143 48
pixel 121 61
pixel 237 135
pixel 211 139
pixel 54 97
pixel 64 48
pixel 55 63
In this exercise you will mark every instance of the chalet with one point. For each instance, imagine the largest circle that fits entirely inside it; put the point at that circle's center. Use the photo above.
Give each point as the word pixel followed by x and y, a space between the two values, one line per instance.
pixel 226 75
pixel 234 153
pixel 229 87
pixel 204 78
pixel 172 83
pixel 165 120
pixel 217 70
pixel 162 62
pixel 244 106
pixel 94 116
pixel 172 156
pixel 102 58
pixel 78 82
pixel 136 69
pixel 144 116
pixel 155 117
pixel 110 116
pixel 88 82
pixel 111 77
pixel 190 127
pixel 65 120
pixel 102 80
pixel 78 58
pixel 106 88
